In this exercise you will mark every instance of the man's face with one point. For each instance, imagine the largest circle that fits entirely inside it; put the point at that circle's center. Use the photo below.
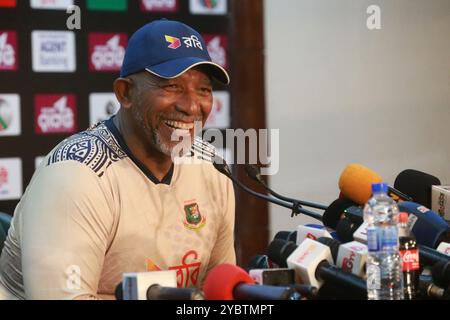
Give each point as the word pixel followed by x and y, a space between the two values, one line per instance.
pixel 167 109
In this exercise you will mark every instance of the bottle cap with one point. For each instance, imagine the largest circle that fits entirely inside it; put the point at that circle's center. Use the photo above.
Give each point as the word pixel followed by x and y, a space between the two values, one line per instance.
pixel 379 187
pixel 403 217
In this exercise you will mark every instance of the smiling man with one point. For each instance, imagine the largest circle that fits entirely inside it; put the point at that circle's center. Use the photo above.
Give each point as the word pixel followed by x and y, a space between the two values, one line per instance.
pixel 111 199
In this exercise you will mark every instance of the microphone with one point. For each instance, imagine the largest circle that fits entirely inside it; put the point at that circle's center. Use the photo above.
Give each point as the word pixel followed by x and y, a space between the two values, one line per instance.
pixel 429 257
pixel 279 250
pixel 230 282
pixel 156 285
pixel 428 289
pixel 304 232
pixel 350 257
pixel 427 226
pixel 253 173
pixel 287 235
pixel 313 260
pixel 335 212
pixel 441 274
pixel 356 182
pixel 223 168
pixel 158 292
pixel 259 262
pixel 417 184
pixel 444 247
pixel 282 277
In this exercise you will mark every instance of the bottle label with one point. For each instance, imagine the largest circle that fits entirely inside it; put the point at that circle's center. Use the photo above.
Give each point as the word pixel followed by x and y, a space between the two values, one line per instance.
pixel 373 277
pixel 372 239
pixel 389 239
pixel 410 259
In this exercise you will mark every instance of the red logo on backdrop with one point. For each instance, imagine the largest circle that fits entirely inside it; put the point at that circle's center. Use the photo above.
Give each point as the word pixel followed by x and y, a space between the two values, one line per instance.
pixel 410 259
pixel 106 51
pixel 55 114
pixel 3 176
pixel 217 48
pixel 159 5
pixel 8 3
pixel 8 51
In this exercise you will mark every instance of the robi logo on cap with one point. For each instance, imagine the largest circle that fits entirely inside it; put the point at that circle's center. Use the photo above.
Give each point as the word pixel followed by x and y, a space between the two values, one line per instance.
pixel 189 42
pixel 175 43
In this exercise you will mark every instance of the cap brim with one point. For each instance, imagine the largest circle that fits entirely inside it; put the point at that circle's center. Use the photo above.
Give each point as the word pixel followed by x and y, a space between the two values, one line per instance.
pixel 174 68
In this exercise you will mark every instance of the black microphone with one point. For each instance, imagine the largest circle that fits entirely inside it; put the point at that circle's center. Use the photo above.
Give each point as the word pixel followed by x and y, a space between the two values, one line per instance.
pixel 441 274
pixel 254 173
pixel 279 250
pixel 335 212
pixel 158 292
pixel 416 184
pixel 223 168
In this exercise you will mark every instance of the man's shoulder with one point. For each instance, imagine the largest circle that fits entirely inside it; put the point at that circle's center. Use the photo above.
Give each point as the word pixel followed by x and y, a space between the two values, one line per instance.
pixel 96 148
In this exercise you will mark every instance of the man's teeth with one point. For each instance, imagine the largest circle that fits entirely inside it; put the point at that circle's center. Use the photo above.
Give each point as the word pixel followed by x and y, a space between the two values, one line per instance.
pixel 180 125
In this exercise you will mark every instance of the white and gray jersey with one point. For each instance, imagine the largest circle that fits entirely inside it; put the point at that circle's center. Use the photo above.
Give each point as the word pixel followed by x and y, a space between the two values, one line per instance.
pixel 92 212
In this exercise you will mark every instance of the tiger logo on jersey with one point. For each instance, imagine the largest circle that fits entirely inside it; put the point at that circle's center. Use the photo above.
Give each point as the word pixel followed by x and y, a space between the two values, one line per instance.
pixel 193 218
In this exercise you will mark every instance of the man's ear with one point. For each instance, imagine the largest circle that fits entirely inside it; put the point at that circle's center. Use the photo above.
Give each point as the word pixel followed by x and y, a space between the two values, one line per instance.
pixel 122 89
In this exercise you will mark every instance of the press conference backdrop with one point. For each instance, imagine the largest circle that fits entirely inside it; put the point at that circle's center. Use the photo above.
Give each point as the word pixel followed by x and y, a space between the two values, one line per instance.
pixel 340 92
pixel 55 82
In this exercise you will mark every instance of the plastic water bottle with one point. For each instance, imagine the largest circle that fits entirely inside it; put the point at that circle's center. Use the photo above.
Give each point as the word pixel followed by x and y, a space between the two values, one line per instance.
pixel 384 264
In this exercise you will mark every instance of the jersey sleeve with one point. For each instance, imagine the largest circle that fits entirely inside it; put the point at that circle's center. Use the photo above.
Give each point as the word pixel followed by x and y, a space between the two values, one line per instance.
pixel 67 221
pixel 223 251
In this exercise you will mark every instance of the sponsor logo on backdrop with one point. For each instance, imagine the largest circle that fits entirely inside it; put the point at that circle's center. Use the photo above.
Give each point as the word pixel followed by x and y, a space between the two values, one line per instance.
pixel 107 5
pixel 217 7
pixel 10 178
pixel 8 51
pixel 55 114
pixel 102 106
pixel 106 51
pixel 159 5
pixel 217 48
pixel 8 3
pixel 10 115
pixel 53 51
pixel 51 4
pixel 219 117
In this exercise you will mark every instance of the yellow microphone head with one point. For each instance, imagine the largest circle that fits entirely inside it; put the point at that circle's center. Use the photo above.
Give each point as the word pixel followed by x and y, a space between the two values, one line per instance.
pixel 356 181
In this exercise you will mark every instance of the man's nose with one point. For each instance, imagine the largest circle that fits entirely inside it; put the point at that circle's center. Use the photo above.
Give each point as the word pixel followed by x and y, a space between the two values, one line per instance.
pixel 189 104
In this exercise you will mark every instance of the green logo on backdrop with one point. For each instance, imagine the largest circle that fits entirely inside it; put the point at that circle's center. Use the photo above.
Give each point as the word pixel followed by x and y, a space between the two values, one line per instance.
pixel 107 5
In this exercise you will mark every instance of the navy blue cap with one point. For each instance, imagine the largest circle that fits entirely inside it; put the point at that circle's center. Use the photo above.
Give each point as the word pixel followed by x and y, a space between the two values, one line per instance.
pixel 167 49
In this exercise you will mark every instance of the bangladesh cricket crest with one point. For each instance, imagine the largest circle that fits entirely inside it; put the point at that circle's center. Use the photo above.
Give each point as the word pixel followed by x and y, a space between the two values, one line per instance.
pixel 193 218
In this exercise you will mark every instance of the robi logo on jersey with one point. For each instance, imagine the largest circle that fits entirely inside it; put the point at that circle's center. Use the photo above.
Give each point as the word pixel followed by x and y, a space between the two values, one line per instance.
pixel 8 49
pixel 106 51
pixel 55 114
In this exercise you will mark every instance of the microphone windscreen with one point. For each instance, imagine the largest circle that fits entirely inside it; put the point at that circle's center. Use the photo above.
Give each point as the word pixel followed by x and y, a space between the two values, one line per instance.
pixel 222 279
pixel 279 250
pixel 345 230
pixel 417 185
pixel 333 213
pixel 332 244
pixel 118 293
pixel 356 181
pixel 258 262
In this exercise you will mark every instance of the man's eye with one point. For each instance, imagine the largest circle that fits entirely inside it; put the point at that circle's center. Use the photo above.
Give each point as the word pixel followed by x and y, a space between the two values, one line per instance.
pixel 171 87
pixel 206 90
